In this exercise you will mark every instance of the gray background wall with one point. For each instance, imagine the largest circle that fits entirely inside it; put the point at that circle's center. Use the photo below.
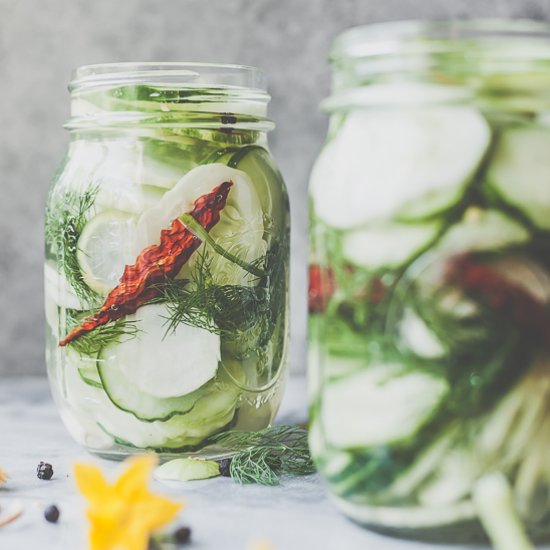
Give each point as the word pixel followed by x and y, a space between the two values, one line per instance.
pixel 42 40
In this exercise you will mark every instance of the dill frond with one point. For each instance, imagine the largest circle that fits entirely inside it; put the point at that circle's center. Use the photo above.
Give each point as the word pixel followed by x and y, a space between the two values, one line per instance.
pixel 65 221
pixel 261 457
pixel 93 342
pixel 228 310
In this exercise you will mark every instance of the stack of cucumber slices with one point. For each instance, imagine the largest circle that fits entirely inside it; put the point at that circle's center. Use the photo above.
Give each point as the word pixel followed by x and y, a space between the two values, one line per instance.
pixel 171 374
pixel 445 211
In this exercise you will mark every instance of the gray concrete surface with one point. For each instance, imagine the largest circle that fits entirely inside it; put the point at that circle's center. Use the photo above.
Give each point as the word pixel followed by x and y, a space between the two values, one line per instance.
pixel 42 40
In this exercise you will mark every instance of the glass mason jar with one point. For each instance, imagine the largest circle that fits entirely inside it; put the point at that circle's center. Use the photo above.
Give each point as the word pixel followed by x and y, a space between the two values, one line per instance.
pixel 167 247
pixel 430 277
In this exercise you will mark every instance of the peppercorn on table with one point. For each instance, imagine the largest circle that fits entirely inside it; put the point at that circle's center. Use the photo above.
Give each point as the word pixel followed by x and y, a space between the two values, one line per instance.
pixel 220 513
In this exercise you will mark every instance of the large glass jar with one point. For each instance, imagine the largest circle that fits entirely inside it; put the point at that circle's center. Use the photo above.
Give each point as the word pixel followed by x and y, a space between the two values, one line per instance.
pixel 430 278
pixel 167 245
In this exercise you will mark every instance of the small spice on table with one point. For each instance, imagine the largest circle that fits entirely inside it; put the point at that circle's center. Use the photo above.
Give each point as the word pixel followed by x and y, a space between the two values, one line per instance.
pixel 44 471
pixel 51 513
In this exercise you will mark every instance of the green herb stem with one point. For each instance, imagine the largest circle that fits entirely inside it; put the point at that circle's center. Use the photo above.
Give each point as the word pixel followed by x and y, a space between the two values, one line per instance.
pixel 200 232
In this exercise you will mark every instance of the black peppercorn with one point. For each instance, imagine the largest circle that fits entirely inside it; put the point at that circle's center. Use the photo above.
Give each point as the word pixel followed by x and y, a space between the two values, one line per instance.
pixel 229 119
pixel 44 471
pixel 182 535
pixel 51 513
pixel 225 467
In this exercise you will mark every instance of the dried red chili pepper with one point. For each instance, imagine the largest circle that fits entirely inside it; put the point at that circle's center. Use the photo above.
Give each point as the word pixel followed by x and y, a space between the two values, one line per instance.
pixel 156 263
pixel 322 286
pixel 500 294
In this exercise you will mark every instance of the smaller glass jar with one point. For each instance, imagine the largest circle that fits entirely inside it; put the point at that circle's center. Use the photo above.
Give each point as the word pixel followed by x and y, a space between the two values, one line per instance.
pixel 430 278
pixel 167 245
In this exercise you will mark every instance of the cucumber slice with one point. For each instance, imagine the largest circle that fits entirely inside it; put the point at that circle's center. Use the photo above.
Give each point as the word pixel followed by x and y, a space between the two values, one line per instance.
pixel 256 162
pixel 58 293
pixel 164 163
pixel 125 195
pixel 58 296
pixel 240 230
pixel 482 230
pixel 91 377
pixel 379 405
pixel 57 289
pixel 408 517
pixel 85 365
pixel 159 363
pixel 127 396
pixel 187 469
pixel 388 245
pixel 178 432
pixel 408 163
pixel 520 172
pixel 452 481
pixel 127 166
pixel 418 338
pixel 104 249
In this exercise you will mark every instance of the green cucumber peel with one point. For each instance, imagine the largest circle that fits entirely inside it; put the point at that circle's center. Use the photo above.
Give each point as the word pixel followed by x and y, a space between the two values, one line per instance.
pixel 187 469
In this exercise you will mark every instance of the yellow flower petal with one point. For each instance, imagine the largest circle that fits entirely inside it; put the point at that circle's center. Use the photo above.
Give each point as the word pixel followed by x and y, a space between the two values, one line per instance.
pixel 135 479
pixel 156 512
pixel 3 477
pixel 123 515
pixel 90 482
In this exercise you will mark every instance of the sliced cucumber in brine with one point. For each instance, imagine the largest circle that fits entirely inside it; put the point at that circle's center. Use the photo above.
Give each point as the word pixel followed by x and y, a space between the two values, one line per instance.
pixel 164 162
pixel 91 377
pixel 57 288
pixel 417 337
pixel 256 162
pixel 482 230
pixel 105 247
pixel 409 517
pixel 160 362
pixel 404 163
pixel 216 412
pixel 85 365
pixel 388 245
pixel 127 396
pixel 240 230
pixel 520 172
pixel 379 405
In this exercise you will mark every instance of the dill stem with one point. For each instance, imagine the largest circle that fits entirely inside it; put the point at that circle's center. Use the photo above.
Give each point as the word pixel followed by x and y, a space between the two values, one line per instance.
pixel 196 228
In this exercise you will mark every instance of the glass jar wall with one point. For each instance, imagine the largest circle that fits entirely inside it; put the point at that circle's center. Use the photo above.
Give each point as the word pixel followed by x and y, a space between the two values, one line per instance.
pixel 430 277
pixel 166 274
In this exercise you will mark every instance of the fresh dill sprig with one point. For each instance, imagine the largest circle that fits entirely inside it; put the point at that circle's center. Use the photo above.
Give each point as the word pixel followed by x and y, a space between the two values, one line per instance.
pixel 250 317
pixel 228 310
pixel 65 221
pixel 262 457
pixel 93 342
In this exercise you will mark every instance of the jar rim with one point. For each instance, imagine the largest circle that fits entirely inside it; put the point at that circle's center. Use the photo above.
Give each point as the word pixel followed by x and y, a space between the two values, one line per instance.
pixel 176 94
pixel 390 36
pixel 440 61
pixel 172 73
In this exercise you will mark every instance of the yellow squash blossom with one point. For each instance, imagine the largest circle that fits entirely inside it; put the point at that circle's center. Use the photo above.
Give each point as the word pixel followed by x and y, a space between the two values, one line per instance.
pixel 124 514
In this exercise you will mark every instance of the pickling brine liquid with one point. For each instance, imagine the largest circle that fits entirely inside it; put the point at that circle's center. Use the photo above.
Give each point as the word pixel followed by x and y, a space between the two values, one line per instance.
pixel 166 262
pixel 430 308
